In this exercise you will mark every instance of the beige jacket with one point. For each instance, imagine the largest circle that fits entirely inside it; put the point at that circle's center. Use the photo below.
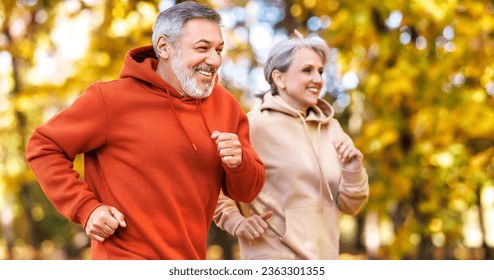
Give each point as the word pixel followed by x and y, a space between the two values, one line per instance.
pixel 305 186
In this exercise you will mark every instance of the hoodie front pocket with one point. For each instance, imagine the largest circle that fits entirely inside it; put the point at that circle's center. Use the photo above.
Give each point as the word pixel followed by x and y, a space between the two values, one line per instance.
pixel 312 232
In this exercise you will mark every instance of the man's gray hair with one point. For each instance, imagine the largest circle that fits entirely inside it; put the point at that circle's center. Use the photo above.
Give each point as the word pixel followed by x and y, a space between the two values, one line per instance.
pixel 281 55
pixel 171 21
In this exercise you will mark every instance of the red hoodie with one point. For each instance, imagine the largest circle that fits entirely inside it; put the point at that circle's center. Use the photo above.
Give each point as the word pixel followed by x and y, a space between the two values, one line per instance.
pixel 149 153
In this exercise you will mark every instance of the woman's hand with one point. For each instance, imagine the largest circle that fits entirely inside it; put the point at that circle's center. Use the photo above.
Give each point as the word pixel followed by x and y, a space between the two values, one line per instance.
pixel 350 157
pixel 253 227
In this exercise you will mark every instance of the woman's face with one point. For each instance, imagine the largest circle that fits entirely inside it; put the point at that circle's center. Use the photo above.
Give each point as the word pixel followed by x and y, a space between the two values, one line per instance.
pixel 301 84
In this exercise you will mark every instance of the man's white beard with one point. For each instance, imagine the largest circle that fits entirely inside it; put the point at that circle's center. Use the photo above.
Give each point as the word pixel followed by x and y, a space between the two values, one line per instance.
pixel 186 78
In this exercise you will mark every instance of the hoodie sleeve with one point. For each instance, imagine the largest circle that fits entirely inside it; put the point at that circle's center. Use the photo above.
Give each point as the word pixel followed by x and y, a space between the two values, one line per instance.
pixel 52 148
pixel 245 182
pixel 227 215
pixel 353 190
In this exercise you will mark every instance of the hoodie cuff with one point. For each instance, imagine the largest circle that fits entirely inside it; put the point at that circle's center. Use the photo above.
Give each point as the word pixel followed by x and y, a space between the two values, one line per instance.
pixel 233 222
pixel 351 177
pixel 83 211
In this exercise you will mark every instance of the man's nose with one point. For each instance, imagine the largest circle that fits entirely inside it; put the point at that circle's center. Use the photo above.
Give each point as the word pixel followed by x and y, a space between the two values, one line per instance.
pixel 214 59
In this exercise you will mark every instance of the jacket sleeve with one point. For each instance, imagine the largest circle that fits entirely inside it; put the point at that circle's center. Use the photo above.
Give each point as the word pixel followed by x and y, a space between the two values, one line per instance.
pixel 227 215
pixel 353 190
pixel 245 182
pixel 52 148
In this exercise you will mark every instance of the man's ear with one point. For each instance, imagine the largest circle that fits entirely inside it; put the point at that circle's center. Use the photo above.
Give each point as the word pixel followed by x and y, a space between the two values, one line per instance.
pixel 163 46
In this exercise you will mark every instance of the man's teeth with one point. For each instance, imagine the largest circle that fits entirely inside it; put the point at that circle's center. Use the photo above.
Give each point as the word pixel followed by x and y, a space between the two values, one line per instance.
pixel 313 90
pixel 205 73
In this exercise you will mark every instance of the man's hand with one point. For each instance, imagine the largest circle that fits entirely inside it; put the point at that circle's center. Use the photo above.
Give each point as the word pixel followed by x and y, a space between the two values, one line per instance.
pixel 253 227
pixel 103 222
pixel 350 157
pixel 229 148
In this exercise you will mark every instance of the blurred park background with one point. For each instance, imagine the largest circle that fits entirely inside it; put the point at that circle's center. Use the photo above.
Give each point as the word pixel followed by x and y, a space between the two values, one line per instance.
pixel 412 81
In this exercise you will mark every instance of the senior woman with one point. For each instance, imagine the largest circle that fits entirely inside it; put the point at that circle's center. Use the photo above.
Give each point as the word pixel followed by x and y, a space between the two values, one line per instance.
pixel 313 169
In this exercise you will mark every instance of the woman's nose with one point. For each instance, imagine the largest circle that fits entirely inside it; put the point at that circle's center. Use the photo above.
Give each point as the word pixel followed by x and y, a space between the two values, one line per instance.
pixel 317 78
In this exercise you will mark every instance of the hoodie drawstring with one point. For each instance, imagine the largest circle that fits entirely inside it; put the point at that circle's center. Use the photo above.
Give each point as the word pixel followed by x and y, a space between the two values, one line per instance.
pixel 322 177
pixel 203 118
pixel 319 152
pixel 178 120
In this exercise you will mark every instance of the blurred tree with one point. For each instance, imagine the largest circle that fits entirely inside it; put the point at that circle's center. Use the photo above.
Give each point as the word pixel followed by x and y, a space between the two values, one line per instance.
pixel 427 113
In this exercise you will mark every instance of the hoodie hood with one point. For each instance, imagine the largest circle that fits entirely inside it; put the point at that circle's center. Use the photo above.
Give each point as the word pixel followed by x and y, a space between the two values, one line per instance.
pixel 322 112
pixel 141 64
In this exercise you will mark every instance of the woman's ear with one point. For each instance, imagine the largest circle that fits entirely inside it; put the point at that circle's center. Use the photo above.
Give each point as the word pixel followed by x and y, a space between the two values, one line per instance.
pixel 163 47
pixel 278 79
